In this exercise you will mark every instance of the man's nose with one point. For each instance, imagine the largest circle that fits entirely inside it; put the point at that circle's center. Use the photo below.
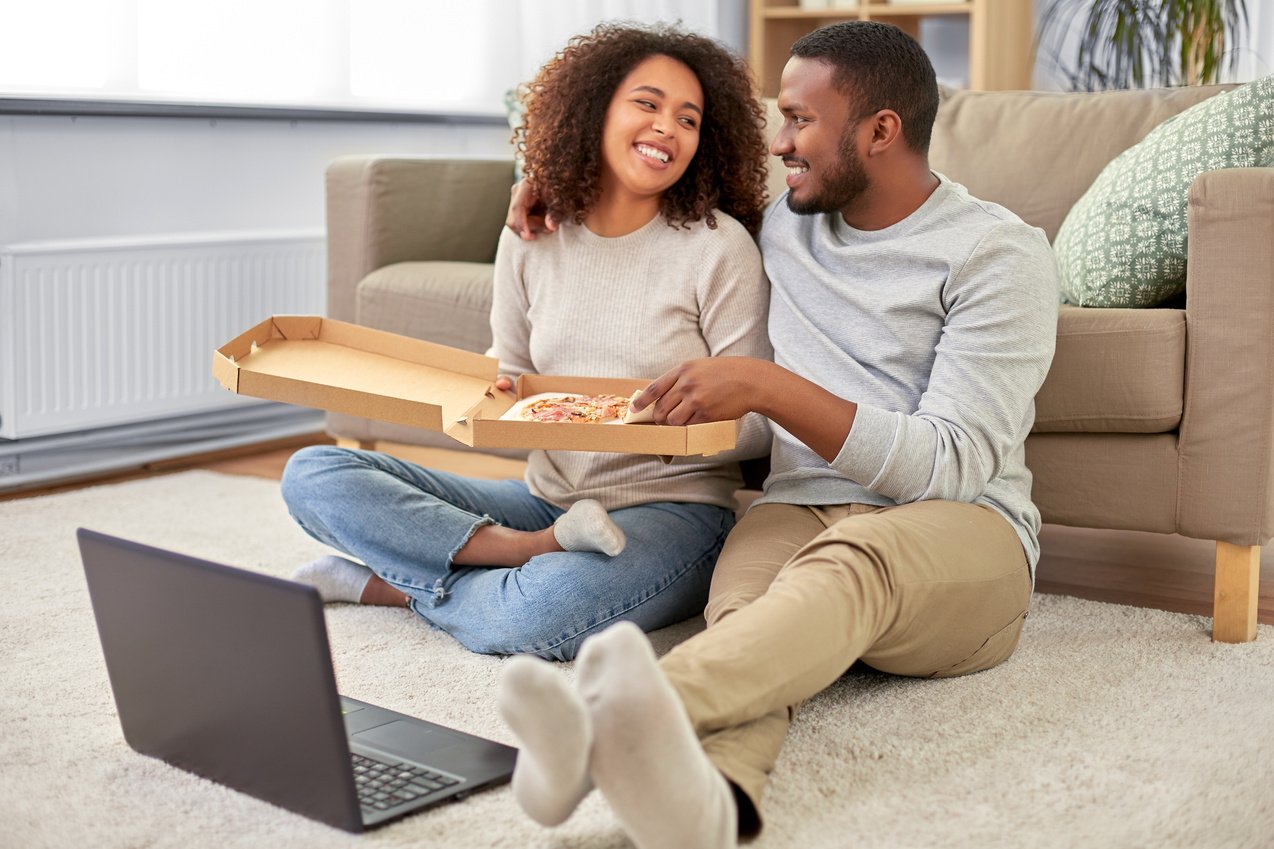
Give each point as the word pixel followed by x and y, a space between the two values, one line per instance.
pixel 781 144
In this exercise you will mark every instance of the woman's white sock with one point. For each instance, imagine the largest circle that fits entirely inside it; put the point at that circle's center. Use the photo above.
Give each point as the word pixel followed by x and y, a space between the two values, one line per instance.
pixel 336 578
pixel 586 526
pixel 647 760
pixel 554 730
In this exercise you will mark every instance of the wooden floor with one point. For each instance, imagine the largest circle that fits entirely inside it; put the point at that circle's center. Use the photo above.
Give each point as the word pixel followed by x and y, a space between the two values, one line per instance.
pixel 1167 572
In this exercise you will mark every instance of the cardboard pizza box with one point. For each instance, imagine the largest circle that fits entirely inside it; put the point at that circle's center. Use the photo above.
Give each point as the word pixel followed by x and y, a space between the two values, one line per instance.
pixel 333 365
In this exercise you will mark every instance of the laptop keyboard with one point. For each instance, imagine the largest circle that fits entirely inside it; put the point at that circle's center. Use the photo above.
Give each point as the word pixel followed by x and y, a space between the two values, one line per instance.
pixel 383 786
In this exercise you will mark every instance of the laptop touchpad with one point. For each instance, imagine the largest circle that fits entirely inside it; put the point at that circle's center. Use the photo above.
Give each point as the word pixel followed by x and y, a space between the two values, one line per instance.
pixel 407 739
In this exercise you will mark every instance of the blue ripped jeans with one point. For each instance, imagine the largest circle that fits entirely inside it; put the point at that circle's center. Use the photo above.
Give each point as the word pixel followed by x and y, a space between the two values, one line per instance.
pixel 407 523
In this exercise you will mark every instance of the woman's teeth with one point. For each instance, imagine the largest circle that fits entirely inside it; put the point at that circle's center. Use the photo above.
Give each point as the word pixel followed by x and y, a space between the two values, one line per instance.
pixel 653 153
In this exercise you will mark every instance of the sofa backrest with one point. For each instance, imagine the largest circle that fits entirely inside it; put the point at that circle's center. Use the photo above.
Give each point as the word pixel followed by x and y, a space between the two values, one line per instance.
pixel 1033 152
pixel 1036 152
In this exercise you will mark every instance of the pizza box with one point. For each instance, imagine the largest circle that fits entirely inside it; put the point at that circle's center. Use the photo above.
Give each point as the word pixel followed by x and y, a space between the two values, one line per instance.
pixel 318 362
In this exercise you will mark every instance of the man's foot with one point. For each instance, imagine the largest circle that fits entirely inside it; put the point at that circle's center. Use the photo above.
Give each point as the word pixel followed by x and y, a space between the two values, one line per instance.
pixel 555 732
pixel 588 527
pixel 336 578
pixel 647 760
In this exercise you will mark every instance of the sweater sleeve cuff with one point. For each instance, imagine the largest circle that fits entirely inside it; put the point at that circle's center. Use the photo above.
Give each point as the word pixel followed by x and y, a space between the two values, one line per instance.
pixel 871 438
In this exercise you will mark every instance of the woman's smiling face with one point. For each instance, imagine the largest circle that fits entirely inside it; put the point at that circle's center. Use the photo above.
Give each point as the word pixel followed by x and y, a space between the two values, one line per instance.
pixel 652 127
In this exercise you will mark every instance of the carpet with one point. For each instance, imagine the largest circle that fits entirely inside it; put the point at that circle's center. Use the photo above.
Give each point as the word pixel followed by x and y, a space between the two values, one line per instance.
pixel 1111 726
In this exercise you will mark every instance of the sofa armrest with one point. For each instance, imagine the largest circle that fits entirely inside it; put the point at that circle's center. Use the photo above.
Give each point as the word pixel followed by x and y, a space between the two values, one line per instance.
pixel 387 209
pixel 1227 429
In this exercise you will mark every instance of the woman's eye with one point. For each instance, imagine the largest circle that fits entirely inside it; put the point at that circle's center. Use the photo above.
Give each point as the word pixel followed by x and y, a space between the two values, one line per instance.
pixel 646 104
pixel 689 122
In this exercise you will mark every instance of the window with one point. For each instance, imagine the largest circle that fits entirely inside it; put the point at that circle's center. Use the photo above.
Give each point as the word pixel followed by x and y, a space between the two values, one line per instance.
pixel 413 55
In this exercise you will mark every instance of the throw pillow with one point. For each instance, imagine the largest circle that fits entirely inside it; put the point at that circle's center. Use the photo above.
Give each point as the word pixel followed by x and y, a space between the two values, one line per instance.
pixel 1123 244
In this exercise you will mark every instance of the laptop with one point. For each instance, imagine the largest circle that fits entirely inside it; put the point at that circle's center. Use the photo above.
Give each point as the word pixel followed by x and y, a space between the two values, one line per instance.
pixel 228 674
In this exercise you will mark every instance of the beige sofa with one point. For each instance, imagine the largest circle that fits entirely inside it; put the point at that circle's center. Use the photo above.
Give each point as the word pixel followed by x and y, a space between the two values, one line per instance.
pixel 1153 420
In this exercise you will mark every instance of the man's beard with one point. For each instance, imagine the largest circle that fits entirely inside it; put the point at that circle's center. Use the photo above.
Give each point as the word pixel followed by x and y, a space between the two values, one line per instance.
pixel 840 186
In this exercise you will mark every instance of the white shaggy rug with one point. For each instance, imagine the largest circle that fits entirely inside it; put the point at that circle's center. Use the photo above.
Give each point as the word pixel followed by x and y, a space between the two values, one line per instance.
pixel 1111 727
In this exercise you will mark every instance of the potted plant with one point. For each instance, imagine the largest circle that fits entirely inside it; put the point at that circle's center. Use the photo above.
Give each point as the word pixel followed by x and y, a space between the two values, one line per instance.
pixel 1142 43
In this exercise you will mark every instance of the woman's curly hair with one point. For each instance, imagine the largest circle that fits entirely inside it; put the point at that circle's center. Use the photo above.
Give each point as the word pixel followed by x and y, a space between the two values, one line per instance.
pixel 560 140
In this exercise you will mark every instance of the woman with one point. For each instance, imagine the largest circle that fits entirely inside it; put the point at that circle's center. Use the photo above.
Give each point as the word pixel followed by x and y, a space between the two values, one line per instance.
pixel 646 144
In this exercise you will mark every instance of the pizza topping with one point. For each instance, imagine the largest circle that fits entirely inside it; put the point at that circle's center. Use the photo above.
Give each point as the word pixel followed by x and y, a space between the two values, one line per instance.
pixel 579 409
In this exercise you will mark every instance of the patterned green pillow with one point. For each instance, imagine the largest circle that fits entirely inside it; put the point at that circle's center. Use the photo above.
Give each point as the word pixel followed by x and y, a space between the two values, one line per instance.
pixel 1123 244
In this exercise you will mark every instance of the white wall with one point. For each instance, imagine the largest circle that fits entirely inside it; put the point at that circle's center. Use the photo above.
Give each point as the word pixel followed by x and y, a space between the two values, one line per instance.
pixel 89 177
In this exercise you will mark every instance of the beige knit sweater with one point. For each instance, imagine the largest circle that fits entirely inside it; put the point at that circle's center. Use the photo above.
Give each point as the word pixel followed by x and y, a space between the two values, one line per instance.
pixel 575 303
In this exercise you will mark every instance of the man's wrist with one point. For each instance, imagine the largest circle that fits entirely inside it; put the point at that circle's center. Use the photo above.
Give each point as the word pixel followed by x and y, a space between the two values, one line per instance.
pixel 768 388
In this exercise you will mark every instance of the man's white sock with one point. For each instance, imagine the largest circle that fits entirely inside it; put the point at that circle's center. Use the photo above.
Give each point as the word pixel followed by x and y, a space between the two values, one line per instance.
pixel 588 527
pixel 553 727
pixel 336 578
pixel 647 760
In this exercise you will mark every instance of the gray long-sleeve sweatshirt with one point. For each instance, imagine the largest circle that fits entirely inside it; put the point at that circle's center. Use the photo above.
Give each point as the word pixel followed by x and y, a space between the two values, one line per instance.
pixel 940 327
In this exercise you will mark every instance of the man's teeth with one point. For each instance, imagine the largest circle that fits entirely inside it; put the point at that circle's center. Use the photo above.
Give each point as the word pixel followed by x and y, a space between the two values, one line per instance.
pixel 653 153
pixel 793 168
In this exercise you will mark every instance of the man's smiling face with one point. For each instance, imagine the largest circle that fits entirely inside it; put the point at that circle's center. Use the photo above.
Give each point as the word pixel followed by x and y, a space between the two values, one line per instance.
pixel 818 141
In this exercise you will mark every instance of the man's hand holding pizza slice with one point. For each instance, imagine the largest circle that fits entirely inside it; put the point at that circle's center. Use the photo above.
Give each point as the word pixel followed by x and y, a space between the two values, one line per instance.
pixel 714 389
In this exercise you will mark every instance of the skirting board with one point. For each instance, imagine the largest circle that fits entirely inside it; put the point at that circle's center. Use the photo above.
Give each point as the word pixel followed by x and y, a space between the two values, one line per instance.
pixel 43 460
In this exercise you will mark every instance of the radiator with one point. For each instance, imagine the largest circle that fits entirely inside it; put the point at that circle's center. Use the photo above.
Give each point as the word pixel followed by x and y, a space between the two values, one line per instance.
pixel 102 333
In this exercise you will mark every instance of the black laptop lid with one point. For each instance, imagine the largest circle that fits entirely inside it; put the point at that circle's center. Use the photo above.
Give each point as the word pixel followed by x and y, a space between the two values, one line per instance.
pixel 223 672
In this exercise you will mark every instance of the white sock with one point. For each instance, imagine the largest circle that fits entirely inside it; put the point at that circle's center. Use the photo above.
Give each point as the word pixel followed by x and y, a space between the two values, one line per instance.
pixel 647 760
pixel 336 578
pixel 587 527
pixel 555 732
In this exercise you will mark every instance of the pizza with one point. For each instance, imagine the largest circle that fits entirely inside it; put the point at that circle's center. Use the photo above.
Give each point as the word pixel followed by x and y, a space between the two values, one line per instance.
pixel 578 409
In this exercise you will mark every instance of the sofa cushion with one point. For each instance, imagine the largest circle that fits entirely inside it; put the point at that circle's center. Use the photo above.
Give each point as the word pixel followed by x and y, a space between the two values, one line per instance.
pixel 1123 244
pixel 1037 152
pixel 1115 371
pixel 444 302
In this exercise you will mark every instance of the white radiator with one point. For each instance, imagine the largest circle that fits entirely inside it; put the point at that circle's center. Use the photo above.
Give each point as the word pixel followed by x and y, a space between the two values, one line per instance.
pixel 108 332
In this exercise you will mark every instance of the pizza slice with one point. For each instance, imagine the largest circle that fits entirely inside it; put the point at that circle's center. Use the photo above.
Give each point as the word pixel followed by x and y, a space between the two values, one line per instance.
pixel 576 408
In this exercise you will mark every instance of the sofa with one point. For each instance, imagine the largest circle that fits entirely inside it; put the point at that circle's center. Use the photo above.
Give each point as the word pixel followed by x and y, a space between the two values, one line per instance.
pixel 1157 420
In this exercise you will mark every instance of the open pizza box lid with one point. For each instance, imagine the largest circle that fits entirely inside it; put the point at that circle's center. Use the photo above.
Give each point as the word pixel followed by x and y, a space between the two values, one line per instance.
pixel 333 365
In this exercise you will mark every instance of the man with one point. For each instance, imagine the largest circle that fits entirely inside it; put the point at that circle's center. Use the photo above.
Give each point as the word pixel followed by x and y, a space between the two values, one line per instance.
pixel 912 327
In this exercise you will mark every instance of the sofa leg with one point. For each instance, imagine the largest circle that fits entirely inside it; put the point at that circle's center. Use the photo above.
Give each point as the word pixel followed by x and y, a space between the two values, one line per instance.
pixel 361 444
pixel 1238 569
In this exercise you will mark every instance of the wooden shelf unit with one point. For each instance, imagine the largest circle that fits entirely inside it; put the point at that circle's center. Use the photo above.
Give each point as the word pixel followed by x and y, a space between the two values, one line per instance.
pixel 1001 35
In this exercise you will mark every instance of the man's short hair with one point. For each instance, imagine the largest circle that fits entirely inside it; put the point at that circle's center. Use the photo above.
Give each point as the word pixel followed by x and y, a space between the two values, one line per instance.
pixel 879 67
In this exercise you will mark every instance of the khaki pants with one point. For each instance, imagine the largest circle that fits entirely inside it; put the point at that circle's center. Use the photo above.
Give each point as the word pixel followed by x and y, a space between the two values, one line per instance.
pixel 929 589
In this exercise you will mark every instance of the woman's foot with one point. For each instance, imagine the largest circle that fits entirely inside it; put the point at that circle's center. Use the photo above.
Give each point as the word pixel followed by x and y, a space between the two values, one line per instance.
pixel 341 580
pixel 336 578
pixel 588 527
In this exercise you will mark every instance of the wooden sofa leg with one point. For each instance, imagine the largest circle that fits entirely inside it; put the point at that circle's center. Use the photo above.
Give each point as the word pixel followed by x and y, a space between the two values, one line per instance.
pixel 1238 570
pixel 363 444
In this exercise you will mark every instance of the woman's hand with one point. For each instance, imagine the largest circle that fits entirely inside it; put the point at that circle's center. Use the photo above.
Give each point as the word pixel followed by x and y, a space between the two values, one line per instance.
pixel 524 218
pixel 504 382
pixel 712 389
